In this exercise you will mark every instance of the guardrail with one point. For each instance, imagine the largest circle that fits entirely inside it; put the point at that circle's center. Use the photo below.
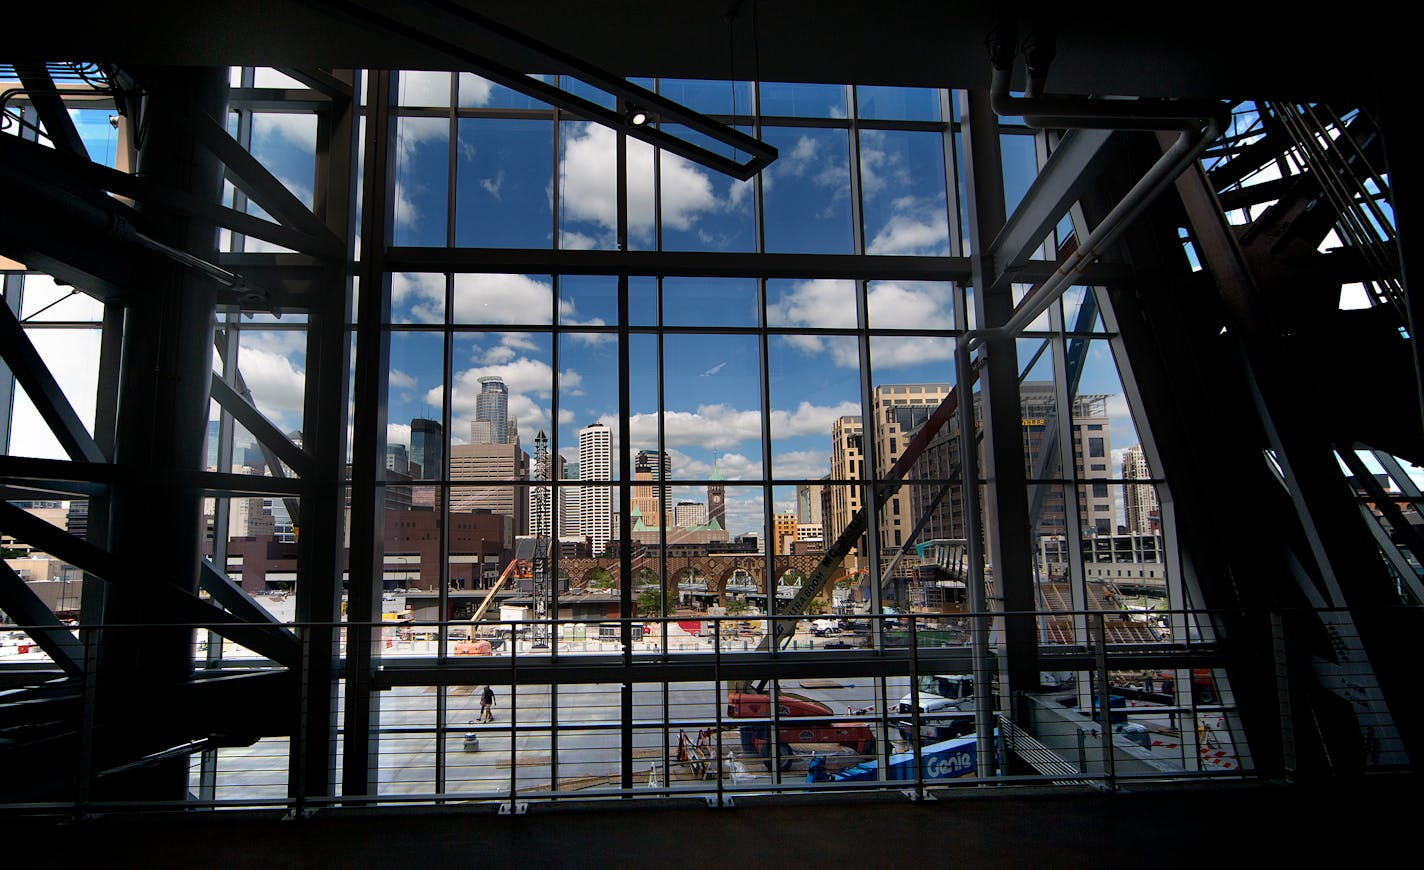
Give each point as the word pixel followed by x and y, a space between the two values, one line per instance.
pixel 662 707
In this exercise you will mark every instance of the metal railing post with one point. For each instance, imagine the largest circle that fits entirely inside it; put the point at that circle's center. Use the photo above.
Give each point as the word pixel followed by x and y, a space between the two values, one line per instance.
pixel 717 703
pixel 1283 697
pixel 1100 643
pixel 914 711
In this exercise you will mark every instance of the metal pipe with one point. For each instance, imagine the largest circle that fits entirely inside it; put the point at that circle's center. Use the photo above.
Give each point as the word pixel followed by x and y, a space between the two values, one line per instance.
pixel 1199 123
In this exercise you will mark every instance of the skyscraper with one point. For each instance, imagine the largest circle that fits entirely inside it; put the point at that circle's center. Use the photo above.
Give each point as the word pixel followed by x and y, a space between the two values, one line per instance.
pixel 1142 511
pixel 570 500
pixel 596 502
pixel 427 438
pixel 647 467
pixel 847 454
pixel 808 503
pixel 487 464
pixel 397 458
pixel 492 407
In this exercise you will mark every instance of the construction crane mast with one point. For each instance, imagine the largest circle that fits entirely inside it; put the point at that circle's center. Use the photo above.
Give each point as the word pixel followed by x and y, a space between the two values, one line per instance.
pixel 540 503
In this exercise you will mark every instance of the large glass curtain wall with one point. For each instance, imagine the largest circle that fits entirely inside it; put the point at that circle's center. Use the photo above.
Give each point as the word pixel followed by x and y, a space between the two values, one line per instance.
pixel 718 373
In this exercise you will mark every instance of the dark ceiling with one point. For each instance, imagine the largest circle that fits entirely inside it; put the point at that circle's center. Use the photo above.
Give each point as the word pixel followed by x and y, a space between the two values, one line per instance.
pixel 1224 50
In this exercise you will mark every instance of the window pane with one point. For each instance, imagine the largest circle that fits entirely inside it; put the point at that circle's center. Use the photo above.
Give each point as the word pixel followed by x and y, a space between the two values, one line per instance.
pixel 713 394
pixel 491 299
pixel 502 184
pixel 709 97
pixel 911 305
pixel 815 380
pixel 704 210
pixel 417 297
pixel 897 104
pixel 46 300
pixel 807 192
pixel 710 302
pixel 821 302
pixel 1020 167
pixel 422 179
pixel 588 199
pixel 72 356
pixel 479 92
pixel 588 300
pixel 422 89
pixel 503 386
pixel 803 100
pixel 415 402
pixel 273 364
pixel 902 188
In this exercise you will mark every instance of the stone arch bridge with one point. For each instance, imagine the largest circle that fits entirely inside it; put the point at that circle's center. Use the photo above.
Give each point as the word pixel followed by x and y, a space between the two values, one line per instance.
pixel 716 571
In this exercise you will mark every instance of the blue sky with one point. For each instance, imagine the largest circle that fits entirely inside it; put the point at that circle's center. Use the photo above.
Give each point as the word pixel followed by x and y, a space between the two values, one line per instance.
pixel 506 187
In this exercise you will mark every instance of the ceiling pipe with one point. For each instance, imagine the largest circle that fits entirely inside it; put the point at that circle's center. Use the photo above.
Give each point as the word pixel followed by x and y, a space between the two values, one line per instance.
pixel 1199 122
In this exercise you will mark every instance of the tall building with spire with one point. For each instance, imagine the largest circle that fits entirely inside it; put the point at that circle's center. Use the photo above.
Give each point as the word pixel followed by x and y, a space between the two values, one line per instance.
pixel 716 498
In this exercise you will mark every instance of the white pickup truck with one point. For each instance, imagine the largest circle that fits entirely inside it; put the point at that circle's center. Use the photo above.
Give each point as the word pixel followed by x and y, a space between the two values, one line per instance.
pixel 946 707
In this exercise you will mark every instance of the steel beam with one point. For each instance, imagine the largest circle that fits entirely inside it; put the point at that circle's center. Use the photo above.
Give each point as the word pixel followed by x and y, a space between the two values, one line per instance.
pixel 24 608
pixel 74 169
pixel 1346 562
pixel 1010 547
pixel 255 180
pixel 333 86
pixel 44 96
pixel 1069 170
pixel 44 391
pixel 456 32
pixel 361 711
pixel 159 600
pixel 272 438
pixel 232 596
pixel 321 543
pixel 162 422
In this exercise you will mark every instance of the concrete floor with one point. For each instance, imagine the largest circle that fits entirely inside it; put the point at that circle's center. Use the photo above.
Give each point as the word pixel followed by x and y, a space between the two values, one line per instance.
pixel 1214 826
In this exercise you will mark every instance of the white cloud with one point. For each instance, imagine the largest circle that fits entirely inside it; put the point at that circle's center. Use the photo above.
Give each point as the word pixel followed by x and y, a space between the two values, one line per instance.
pixel 406 212
pixel 802 464
pixel 278 341
pixel 910 305
pixel 295 129
pixel 502 353
pixel 892 305
pixel 420 88
pixel 925 232
pixel 277 386
pixel 492 186
pixel 572 241
pixel 502 299
pixel 474 90
pixel 401 380
pixel 718 427
pixel 809 419
pixel 589 188
pixel 398 433
pixel 411 132
pixel 899 352
pixel 419 284
pixel 825 302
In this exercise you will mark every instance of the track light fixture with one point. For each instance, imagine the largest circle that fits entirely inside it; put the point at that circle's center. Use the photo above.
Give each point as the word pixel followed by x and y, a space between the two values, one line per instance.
pixel 637 117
